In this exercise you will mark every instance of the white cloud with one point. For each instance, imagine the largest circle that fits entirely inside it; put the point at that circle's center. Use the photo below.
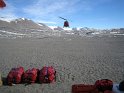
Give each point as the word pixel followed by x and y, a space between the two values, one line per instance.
pixel 48 7
pixel 51 8
pixel 48 11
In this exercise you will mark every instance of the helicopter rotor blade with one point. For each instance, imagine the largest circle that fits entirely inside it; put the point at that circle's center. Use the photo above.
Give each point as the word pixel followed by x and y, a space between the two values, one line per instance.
pixel 62 18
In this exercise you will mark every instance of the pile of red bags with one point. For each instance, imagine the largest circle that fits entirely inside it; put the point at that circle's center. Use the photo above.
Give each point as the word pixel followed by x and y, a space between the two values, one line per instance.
pixel 18 75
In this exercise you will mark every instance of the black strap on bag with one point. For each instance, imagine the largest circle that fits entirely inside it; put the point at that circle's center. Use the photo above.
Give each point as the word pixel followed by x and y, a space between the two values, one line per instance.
pixel 47 76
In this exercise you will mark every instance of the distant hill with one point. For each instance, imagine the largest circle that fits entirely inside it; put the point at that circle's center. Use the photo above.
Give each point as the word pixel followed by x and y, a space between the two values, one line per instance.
pixel 22 24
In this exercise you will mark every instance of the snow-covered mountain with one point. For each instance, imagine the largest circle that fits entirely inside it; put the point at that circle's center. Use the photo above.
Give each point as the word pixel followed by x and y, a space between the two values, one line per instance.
pixel 22 28
pixel 21 24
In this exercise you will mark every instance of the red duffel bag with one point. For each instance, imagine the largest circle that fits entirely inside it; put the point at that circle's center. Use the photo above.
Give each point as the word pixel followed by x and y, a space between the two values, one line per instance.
pixel 2 4
pixel 108 91
pixel 15 75
pixel 81 88
pixel 104 84
pixel 47 75
pixel 30 76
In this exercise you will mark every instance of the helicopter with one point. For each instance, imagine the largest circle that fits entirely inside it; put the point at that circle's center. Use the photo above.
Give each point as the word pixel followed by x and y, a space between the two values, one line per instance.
pixel 2 4
pixel 66 23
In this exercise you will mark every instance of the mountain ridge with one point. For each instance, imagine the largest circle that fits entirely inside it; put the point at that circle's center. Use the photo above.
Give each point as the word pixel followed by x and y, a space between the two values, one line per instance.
pixel 21 24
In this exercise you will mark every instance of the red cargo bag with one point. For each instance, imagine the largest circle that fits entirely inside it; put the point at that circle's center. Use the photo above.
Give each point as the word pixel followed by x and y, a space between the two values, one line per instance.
pixel 2 4
pixel 104 84
pixel 30 76
pixel 47 75
pixel 15 75
pixel 81 88
pixel 108 91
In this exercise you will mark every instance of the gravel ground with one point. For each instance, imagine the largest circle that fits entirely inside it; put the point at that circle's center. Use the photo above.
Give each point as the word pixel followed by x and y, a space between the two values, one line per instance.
pixel 76 60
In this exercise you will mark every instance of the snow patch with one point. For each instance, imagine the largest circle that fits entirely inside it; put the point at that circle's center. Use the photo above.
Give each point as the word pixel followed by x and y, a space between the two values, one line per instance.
pixel 52 27
pixel 95 33
pixel 114 32
pixel 67 28
pixel 40 24
pixel 119 34
pixel 6 19
pixel 12 33
pixel 23 18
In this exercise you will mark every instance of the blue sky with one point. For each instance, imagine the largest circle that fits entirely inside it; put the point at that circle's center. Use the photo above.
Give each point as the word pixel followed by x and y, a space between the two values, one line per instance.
pixel 80 13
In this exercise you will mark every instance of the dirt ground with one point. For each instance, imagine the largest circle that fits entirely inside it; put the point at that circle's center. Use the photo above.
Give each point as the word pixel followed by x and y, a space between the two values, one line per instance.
pixel 77 60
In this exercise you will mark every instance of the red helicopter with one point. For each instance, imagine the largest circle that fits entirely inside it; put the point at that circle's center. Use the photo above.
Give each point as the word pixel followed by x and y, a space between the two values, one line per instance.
pixel 2 4
pixel 66 23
